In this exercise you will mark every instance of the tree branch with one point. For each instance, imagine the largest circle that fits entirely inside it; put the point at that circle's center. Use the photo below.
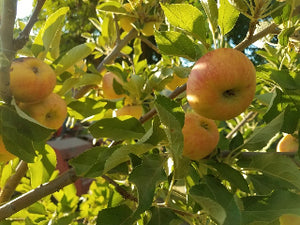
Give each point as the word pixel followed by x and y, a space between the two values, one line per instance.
pixel 109 58
pixel 23 37
pixel 271 29
pixel 12 182
pixel 36 194
pixel 8 16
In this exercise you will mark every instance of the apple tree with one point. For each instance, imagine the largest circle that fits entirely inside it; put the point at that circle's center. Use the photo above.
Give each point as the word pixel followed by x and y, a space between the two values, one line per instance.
pixel 135 164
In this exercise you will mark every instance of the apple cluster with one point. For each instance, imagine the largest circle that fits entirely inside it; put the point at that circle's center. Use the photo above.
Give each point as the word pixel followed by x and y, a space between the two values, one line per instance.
pixel 221 86
pixel 32 82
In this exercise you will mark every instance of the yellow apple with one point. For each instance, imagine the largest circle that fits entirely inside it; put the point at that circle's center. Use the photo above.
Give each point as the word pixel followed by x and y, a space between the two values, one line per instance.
pixel 130 110
pixel 51 112
pixel 288 143
pixel 200 134
pixel 4 154
pixel 107 86
pixel 176 82
pixel 149 28
pixel 289 219
pixel 221 84
pixel 126 22
pixel 31 79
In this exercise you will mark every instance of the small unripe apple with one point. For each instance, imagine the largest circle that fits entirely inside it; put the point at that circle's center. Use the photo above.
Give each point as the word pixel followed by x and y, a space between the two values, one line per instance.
pixel 288 143
pixel 149 28
pixel 130 110
pixel 221 84
pixel 4 154
pixel 126 22
pixel 51 112
pixel 289 219
pixel 108 88
pixel 200 134
pixel 31 79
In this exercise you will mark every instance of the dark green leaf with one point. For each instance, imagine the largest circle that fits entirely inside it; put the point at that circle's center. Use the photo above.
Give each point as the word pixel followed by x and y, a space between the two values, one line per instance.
pixel 262 135
pixel 113 216
pixel 236 141
pixel 186 17
pixel 178 44
pixel 161 216
pixel 117 129
pixel 239 5
pixel 263 209
pixel 217 201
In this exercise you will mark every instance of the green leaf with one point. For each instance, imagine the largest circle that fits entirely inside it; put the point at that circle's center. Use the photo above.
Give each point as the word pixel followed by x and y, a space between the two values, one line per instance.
pixel 74 55
pixel 239 5
pixel 217 201
pixel 211 9
pixel 186 17
pixel 275 165
pixel 262 135
pixel 263 209
pixel 161 216
pixel 117 129
pixel 113 216
pixel 113 7
pixel 122 154
pixel 283 37
pixel 48 33
pixel 234 176
pixel 178 44
pixel 172 117
pixel 228 16
pixel 146 177
pixel 42 169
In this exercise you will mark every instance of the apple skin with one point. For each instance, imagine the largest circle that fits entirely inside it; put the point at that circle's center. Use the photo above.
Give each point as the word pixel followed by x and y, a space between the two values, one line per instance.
pixel 4 154
pixel 126 23
pixel 221 84
pixel 201 136
pixel 289 219
pixel 31 79
pixel 51 112
pixel 288 143
pixel 107 86
pixel 131 110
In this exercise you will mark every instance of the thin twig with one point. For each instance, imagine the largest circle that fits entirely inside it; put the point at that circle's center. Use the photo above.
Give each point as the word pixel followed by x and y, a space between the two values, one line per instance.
pixel 13 181
pixel 108 59
pixel 23 37
pixel 34 195
pixel 150 44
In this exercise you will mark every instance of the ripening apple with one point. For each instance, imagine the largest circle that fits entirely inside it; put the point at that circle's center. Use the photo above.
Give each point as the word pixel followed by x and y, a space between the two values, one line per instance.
pixel 31 79
pixel 4 154
pixel 130 110
pixel 200 135
pixel 51 112
pixel 221 84
pixel 126 22
pixel 149 28
pixel 107 86
pixel 288 143
pixel 289 219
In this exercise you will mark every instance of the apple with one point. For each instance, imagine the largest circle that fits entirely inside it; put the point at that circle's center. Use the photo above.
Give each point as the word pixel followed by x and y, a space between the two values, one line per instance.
pixel 130 110
pixel 148 28
pixel 176 82
pixel 289 219
pixel 4 154
pixel 221 84
pixel 31 79
pixel 288 143
pixel 51 112
pixel 107 86
pixel 126 22
pixel 200 134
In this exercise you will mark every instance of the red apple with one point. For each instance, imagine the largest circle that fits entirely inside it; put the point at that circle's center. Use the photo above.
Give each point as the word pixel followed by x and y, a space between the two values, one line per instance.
pixel 31 79
pixel 51 112
pixel 107 86
pixel 4 154
pixel 221 84
pixel 130 110
pixel 200 134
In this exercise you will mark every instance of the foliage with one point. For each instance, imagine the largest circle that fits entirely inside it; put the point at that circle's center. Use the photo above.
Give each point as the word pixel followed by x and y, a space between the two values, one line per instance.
pixel 137 169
